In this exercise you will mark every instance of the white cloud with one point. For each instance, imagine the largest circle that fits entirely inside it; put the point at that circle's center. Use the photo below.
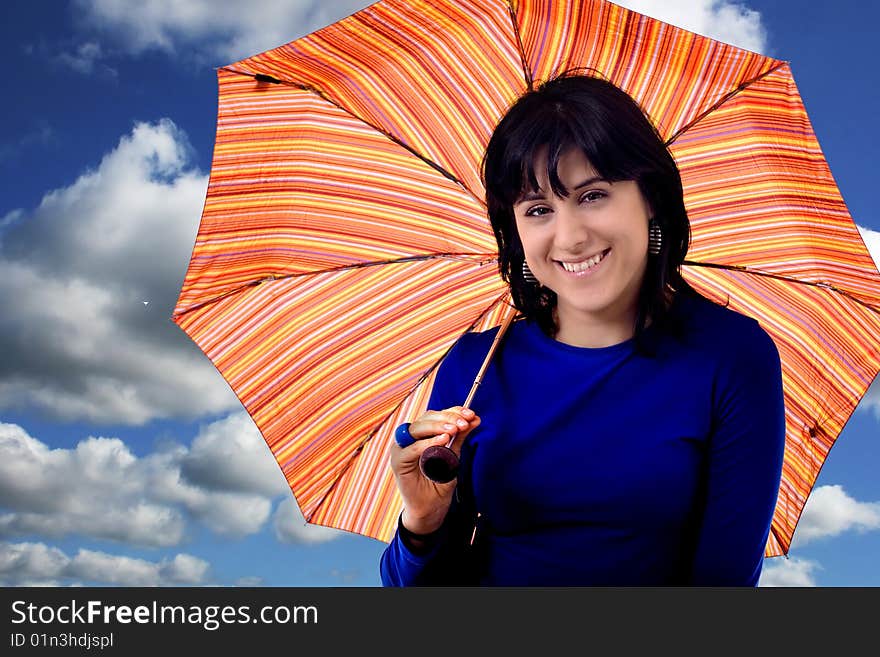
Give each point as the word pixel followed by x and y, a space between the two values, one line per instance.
pixel 830 511
pixel 92 489
pixel 731 22
pixel 789 572
pixel 291 527
pixel 872 241
pixel 232 514
pixel 31 560
pixel 86 59
pixel 27 564
pixel 12 216
pixel 224 29
pixel 100 489
pixel 231 31
pixel 78 343
pixel 231 454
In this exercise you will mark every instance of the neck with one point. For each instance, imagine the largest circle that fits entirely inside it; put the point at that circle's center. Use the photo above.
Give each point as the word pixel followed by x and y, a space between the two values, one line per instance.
pixel 582 330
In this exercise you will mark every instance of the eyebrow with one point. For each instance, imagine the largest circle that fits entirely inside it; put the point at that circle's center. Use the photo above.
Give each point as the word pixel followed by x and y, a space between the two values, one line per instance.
pixel 537 195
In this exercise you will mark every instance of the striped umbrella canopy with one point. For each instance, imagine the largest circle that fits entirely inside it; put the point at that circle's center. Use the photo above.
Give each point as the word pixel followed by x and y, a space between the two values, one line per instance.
pixel 344 244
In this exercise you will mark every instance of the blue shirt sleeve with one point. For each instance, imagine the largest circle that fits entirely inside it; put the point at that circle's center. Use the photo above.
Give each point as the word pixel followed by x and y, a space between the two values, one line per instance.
pixel 400 566
pixel 444 563
pixel 745 454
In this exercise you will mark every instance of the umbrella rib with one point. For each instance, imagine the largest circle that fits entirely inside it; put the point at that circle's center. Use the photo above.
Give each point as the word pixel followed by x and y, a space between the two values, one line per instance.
pixel 262 77
pixel 394 410
pixel 527 73
pixel 742 86
pixel 481 258
pixel 787 279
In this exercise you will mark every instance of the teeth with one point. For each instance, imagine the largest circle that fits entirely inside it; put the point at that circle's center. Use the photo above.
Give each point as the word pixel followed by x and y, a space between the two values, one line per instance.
pixel 584 265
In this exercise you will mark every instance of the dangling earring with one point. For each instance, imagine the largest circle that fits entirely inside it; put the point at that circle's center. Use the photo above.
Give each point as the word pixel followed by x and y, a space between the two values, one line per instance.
pixel 655 237
pixel 528 276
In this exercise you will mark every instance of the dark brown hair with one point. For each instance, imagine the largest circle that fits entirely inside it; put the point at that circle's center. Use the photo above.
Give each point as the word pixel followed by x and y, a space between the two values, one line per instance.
pixel 609 127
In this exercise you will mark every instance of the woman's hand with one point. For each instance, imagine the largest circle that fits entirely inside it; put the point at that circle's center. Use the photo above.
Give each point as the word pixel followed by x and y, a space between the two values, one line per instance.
pixel 426 502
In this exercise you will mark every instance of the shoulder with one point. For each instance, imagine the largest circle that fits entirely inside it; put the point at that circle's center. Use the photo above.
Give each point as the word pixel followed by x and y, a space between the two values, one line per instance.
pixel 458 367
pixel 733 345
pixel 719 328
pixel 471 344
pixel 475 340
pixel 467 352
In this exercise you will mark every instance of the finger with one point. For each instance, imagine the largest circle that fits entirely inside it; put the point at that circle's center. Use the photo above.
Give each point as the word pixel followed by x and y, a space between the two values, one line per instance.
pixel 422 429
pixel 460 413
pixel 451 414
pixel 461 436
pixel 466 413
pixel 453 440
pixel 437 422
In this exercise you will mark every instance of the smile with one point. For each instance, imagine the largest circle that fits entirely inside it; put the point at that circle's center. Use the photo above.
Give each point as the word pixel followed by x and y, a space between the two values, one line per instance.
pixel 583 266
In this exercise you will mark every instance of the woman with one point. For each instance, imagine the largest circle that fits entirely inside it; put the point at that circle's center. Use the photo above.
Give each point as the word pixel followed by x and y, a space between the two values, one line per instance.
pixel 628 431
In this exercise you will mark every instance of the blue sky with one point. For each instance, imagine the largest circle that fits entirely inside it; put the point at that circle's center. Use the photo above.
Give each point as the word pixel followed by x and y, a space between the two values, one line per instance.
pixel 124 457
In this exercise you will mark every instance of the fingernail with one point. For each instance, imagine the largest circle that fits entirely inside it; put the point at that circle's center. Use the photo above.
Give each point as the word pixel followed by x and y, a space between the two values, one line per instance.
pixel 462 423
pixel 449 427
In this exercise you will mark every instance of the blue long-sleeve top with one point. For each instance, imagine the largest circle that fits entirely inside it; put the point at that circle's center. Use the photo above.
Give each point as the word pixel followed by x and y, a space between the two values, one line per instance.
pixel 606 467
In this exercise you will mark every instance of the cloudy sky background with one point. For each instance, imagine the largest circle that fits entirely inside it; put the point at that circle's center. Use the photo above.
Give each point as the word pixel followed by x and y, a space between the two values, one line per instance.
pixel 124 457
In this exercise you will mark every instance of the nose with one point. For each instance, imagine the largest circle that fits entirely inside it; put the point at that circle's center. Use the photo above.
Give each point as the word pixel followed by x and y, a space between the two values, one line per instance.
pixel 571 231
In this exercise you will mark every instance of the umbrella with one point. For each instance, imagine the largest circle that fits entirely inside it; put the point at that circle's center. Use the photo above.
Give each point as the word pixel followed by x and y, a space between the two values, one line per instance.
pixel 344 247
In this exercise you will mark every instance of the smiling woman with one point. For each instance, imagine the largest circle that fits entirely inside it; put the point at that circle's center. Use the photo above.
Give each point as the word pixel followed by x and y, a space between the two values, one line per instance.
pixel 589 244
pixel 631 432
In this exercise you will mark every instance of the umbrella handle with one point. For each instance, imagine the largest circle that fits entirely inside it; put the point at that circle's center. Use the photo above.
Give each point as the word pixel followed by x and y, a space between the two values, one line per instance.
pixel 439 463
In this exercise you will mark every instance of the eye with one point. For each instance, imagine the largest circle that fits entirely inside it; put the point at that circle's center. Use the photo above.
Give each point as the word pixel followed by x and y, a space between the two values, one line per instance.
pixel 537 211
pixel 592 196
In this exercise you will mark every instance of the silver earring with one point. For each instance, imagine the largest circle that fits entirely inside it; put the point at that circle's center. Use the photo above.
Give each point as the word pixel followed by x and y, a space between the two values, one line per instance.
pixel 528 276
pixel 655 237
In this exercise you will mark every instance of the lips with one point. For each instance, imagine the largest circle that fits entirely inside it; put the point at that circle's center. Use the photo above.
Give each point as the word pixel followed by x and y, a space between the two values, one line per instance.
pixel 583 265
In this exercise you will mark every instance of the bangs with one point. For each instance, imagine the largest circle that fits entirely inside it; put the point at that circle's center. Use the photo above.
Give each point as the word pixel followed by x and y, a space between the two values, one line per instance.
pixel 552 134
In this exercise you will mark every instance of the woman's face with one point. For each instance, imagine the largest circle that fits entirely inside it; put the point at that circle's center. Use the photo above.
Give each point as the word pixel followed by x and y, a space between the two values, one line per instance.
pixel 591 247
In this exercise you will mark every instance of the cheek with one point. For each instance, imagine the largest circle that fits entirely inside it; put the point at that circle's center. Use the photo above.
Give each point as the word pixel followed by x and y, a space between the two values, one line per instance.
pixel 529 238
pixel 635 235
pixel 640 240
